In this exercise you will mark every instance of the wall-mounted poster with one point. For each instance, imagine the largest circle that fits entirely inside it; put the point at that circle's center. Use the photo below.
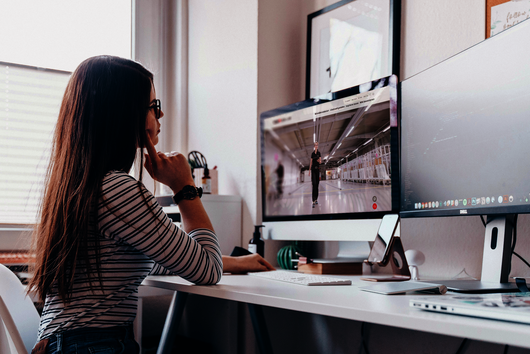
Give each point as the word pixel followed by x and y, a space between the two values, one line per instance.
pixel 503 14
pixel 350 43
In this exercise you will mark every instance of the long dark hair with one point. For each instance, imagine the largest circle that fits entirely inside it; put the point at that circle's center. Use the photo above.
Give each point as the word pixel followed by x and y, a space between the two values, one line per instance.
pixel 100 127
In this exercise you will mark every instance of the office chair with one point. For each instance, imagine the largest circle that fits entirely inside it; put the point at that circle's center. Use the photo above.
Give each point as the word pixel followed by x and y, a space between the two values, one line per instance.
pixel 19 319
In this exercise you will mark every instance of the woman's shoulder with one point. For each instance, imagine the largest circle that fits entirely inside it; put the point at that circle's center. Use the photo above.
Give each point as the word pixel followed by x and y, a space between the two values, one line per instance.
pixel 118 175
pixel 113 179
pixel 119 187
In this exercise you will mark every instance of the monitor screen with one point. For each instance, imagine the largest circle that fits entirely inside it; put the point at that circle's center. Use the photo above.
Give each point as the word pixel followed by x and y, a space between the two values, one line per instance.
pixel 353 171
pixel 465 133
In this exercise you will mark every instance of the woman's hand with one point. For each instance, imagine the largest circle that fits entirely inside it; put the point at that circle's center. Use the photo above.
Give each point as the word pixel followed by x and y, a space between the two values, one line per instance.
pixel 243 264
pixel 173 170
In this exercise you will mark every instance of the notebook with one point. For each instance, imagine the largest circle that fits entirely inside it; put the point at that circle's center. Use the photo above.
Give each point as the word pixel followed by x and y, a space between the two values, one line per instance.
pixel 513 307
pixel 392 288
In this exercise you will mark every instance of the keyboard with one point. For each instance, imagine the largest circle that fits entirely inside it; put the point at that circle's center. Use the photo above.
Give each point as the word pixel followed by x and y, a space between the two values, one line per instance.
pixel 301 278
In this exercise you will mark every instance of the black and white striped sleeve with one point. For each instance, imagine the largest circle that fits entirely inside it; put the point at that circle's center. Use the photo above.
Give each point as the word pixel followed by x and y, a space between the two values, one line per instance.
pixel 128 212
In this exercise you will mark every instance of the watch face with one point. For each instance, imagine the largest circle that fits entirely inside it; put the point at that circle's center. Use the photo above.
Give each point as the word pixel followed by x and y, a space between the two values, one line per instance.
pixel 189 192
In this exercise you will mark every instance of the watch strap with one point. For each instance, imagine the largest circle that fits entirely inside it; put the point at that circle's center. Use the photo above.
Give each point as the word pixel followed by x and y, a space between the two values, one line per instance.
pixel 188 192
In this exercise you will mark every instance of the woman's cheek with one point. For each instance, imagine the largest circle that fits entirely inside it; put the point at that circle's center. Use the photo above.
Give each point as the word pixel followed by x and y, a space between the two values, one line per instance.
pixel 153 135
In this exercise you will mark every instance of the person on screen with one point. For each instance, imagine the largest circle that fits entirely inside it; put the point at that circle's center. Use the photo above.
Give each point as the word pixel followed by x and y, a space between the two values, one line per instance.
pixel 314 170
pixel 279 181
pixel 101 232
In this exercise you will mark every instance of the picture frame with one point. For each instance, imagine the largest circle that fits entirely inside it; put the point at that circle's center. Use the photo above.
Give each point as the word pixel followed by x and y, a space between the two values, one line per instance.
pixel 503 14
pixel 352 42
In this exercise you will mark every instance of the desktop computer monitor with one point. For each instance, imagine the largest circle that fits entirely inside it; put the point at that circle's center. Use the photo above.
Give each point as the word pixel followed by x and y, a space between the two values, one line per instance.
pixel 465 137
pixel 356 131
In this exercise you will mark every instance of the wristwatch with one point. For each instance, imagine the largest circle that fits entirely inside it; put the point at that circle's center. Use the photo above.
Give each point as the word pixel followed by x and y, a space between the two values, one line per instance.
pixel 189 192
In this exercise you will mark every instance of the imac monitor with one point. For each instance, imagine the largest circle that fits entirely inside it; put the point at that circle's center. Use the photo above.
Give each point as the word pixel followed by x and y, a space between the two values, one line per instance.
pixel 465 137
pixel 356 131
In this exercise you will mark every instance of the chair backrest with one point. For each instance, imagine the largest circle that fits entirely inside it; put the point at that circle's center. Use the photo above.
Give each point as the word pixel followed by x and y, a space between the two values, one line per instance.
pixel 17 311
pixel 6 341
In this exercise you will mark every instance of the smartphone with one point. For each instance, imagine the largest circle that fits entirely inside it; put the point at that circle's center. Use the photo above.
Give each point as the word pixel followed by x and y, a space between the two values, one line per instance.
pixel 383 241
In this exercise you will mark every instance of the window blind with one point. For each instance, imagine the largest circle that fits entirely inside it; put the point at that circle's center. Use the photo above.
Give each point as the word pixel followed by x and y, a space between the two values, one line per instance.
pixel 30 99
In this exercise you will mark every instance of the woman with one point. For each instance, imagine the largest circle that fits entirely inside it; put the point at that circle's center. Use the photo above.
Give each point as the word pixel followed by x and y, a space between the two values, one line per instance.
pixel 100 231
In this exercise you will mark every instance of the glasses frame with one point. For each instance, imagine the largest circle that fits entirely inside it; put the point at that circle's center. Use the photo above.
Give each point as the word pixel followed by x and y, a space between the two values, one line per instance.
pixel 157 106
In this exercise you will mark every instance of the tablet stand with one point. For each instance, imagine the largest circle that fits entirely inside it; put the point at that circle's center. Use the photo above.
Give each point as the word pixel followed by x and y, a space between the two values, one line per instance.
pixel 395 268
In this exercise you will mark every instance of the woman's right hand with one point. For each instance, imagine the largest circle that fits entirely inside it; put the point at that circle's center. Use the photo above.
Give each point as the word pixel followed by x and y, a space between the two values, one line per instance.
pixel 243 264
pixel 173 171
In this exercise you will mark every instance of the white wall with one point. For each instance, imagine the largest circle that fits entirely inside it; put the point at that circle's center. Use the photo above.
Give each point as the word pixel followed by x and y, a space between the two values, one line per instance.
pixel 282 51
pixel 159 42
pixel 222 103
pixel 432 31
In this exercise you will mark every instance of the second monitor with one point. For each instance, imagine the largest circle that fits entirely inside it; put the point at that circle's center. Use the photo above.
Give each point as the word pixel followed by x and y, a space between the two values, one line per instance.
pixel 465 142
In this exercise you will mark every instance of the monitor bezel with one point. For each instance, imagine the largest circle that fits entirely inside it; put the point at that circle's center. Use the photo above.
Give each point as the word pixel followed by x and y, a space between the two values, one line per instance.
pixel 395 156
pixel 428 213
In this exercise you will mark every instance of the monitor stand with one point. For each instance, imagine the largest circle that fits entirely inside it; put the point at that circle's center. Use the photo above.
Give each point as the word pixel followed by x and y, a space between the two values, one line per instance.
pixel 496 260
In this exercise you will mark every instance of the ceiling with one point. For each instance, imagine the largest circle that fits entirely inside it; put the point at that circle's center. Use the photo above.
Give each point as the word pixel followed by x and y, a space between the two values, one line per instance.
pixel 332 133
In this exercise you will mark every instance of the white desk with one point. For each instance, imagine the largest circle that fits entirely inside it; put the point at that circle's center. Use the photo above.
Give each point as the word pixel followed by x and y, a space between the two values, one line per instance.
pixel 349 302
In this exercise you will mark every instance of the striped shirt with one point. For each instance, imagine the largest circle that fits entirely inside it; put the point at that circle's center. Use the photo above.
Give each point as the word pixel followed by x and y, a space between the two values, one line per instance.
pixel 136 238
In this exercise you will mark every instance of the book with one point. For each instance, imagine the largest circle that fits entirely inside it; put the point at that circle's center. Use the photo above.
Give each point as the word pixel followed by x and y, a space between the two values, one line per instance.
pixel 393 288
pixel 343 268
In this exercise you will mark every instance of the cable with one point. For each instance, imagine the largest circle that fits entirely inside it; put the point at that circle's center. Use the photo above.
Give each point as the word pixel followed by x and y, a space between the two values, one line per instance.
pixel 483 221
pixel 522 259
pixel 514 240
pixel 506 349
pixel 466 273
pixel 463 346
pixel 363 340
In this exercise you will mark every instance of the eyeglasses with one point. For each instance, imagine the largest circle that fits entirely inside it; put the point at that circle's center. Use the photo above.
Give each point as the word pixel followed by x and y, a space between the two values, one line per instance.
pixel 157 107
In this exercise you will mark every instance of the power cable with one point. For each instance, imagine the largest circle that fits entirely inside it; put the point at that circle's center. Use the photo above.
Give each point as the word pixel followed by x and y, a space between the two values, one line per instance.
pixel 463 346
pixel 364 345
